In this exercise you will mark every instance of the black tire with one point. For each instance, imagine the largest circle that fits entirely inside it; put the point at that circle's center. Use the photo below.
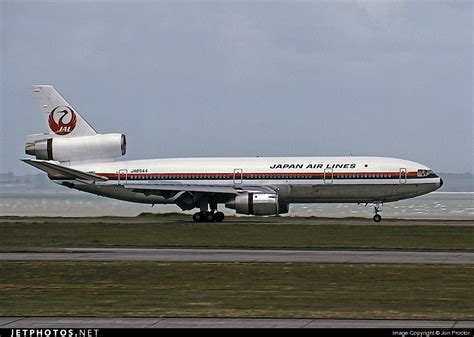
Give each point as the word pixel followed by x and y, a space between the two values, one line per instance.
pixel 198 217
pixel 209 217
pixel 377 218
pixel 219 216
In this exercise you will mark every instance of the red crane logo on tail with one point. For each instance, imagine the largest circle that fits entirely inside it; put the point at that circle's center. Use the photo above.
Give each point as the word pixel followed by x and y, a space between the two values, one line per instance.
pixel 62 120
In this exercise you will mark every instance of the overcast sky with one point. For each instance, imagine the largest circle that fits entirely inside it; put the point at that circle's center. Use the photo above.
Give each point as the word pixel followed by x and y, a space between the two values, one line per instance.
pixel 200 78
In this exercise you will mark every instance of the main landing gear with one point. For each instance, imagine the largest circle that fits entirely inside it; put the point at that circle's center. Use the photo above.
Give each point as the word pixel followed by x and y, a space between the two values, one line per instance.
pixel 377 206
pixel 205 215
pixel 208 216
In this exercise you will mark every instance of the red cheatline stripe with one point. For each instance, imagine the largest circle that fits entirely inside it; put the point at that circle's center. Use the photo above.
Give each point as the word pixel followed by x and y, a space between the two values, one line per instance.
pixel 282 175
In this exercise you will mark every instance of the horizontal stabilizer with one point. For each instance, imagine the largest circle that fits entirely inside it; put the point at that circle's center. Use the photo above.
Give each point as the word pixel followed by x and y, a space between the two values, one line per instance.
pixel 56 170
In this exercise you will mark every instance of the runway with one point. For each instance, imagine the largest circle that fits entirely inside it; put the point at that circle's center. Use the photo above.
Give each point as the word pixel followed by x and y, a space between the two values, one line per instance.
pixel 161 322
pixel 233 220
pixel 243 255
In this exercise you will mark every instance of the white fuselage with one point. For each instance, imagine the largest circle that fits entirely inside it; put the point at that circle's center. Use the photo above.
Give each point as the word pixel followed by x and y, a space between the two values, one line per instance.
pixel 73 154
pixel 294 179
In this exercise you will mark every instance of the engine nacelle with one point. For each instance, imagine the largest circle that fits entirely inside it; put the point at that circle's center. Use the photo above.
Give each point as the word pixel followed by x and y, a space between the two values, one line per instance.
pixel 257 204
pixel 106 146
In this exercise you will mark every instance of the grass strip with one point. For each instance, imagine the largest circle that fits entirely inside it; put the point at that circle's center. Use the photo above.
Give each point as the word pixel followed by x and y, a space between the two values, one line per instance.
pixel 395 291
pixel 18 236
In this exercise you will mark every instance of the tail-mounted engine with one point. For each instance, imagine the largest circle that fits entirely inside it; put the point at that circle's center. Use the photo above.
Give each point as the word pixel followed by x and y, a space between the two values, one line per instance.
pixel 257 204
pixel 94 147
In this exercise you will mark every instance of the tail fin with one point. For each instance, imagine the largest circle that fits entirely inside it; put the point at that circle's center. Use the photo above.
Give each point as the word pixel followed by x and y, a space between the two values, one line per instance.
pixel 61 118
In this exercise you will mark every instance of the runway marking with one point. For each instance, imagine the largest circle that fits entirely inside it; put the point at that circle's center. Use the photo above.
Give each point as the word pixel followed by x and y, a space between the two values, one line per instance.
pixel 244 255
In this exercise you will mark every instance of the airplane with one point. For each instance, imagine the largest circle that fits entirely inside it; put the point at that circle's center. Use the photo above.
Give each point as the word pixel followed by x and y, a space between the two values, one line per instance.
pixel 75 155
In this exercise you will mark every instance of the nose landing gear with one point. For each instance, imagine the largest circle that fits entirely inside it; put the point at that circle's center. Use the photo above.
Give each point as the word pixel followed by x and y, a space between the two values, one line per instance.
pixel 377 218
pixel 377 209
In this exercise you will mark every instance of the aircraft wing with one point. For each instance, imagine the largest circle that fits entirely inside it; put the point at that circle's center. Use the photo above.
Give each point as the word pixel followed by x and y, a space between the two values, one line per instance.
pixel 186 196
pixel 210 189
pixel 56 170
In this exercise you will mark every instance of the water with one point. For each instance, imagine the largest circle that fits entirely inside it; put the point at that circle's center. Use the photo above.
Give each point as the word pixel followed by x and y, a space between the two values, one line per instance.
pixel 437 205
pixel 441 205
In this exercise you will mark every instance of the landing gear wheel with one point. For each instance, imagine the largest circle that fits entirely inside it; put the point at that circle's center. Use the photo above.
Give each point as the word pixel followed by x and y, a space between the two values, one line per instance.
pixel 219 216
pixel 198 217
pixel 377 206
pixel 209 217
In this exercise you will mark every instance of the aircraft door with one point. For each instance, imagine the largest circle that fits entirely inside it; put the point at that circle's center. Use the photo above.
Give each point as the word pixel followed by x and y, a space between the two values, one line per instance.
pixel 328 175
pixel 122 176
pixel 238 173
pixel 403 176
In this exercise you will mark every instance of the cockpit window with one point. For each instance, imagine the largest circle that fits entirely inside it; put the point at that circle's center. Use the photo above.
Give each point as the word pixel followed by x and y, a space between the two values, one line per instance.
pixel 423 173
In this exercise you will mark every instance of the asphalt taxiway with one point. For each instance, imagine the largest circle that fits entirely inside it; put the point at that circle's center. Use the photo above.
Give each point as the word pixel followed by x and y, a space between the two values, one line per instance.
pixel 243 255
pixel 281 220
pixel 174 322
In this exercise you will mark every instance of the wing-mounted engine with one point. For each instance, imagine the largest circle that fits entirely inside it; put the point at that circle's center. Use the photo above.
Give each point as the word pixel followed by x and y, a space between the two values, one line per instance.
pixel 96 147
pixel 257 203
